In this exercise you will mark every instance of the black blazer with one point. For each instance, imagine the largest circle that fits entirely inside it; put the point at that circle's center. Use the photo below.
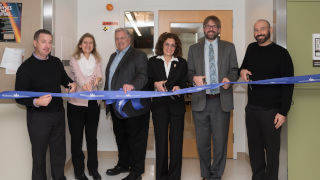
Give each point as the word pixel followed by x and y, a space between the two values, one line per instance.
pixel 178 75
pixel 132 69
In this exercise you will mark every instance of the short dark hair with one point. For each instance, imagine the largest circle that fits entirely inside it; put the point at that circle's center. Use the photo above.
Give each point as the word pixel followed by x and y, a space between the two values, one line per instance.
pixel 162 38
pixel 213 18
pixel 41 31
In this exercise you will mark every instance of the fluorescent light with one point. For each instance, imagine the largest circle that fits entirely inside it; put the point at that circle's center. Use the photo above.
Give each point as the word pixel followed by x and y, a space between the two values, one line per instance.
pixel 133 23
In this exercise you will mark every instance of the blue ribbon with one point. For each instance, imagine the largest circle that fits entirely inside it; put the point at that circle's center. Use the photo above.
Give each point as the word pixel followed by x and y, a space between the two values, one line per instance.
pixel 120 98
pixel 121 102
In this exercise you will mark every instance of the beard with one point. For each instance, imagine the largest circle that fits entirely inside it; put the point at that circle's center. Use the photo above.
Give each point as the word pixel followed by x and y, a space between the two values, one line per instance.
pixel 263 40
pixel 211 37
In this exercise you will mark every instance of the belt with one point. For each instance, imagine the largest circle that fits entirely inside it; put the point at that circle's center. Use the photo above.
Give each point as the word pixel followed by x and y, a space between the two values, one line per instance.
pixel 210 96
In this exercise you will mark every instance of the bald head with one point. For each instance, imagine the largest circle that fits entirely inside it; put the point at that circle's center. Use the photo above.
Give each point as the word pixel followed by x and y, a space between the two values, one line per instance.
pixel 263 21
pixel 262 32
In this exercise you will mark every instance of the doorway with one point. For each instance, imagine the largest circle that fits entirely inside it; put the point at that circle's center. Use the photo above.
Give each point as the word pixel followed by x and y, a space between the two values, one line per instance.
pixel 188 26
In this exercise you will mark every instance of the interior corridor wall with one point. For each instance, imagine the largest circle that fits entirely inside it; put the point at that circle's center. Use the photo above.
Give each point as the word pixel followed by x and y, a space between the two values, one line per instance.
pixel 65 40
pixel 303 124
pixel 255 9
pixel 15 151
pixel 74 18
pixel 15 148
pixel 90 18
pixel 245 12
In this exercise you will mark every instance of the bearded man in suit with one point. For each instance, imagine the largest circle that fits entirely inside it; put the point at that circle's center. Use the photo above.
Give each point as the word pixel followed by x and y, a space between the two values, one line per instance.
pixel 212 61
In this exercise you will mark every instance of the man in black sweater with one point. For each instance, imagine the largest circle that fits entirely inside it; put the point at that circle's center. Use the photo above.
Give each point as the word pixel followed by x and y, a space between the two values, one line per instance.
pixel 268 105
pixel 45 115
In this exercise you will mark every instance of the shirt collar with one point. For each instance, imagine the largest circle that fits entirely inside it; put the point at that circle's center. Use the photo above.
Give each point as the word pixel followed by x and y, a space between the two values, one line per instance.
pixel 123 51
pixel 39 58
pixel 213 43
pixel 172 58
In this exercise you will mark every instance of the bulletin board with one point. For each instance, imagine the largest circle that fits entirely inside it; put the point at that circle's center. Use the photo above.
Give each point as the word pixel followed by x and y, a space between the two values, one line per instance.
pixel 31 19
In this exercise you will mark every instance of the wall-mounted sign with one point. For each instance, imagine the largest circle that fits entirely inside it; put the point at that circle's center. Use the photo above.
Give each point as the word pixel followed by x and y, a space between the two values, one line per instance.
pixel 10 22
pixel 109 26
pixel 316 50
pixel 12 59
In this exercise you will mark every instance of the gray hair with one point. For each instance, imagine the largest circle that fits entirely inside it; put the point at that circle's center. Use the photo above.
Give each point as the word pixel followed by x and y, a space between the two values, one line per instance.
pixel 124 30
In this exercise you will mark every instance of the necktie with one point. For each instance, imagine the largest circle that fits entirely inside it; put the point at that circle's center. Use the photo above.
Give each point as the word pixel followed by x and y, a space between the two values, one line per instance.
pixel 213 70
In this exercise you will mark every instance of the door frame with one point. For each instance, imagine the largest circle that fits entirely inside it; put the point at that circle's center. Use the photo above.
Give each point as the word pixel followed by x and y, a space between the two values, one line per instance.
pixel 165 17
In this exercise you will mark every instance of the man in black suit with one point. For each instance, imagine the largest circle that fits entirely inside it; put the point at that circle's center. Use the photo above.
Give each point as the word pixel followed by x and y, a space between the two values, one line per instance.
pixel 127 69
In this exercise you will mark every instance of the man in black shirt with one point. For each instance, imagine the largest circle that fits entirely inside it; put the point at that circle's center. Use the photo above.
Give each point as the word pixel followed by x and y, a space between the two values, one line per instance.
pixel 268 105
pixel 45 115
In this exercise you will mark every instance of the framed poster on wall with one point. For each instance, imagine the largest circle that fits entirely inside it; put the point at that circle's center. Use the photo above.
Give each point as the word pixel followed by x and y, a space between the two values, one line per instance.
pixel 316 50
pixel 10 22
pixel 316 46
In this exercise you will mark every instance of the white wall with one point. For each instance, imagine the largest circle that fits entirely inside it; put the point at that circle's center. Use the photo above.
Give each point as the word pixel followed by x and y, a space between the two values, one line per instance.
pixel 91 17
pixel 65 28
pixel 255 9
pixel 15 150
pixel 65 37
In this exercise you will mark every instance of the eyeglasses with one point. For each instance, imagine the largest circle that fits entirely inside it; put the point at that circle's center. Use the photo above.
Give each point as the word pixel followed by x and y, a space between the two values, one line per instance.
pixel 210 27
pixel 169 45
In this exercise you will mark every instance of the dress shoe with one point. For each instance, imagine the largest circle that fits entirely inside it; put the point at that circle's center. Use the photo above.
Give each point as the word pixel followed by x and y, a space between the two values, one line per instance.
pixel 132 176
pixel 116 170
pixel 81 176
pixel 95 174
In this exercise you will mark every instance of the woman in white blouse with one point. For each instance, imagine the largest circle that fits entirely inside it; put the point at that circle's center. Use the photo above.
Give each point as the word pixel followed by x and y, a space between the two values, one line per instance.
pixel 85 66
pixel 168 71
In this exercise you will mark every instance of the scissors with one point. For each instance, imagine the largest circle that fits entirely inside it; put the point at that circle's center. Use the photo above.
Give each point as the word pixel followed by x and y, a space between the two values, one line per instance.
pixel 248 77
pixel 69 88
pixel 165 88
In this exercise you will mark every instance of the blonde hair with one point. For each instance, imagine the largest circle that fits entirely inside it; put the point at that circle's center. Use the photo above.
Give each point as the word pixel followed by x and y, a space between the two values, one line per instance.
pixel 78 50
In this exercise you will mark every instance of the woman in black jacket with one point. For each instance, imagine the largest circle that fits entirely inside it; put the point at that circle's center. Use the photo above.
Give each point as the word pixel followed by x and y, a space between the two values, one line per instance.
pixel 167 71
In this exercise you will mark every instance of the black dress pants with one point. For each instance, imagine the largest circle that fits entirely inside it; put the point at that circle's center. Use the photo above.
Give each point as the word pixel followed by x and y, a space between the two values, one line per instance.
pixel 131 137
pixel 83 118
pixel 168 114
pixel 263 142
pixel 47 129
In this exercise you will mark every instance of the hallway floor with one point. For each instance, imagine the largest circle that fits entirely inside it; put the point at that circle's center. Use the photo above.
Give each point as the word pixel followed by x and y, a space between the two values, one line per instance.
pixel 235 169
